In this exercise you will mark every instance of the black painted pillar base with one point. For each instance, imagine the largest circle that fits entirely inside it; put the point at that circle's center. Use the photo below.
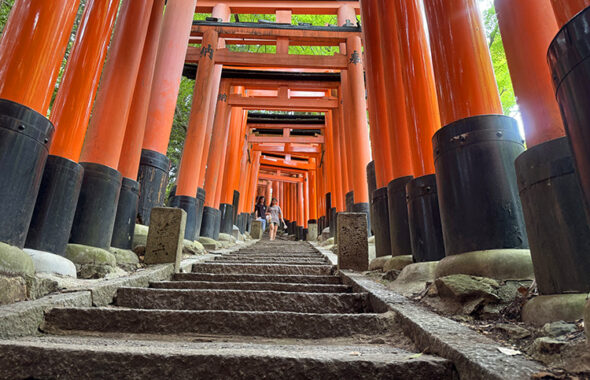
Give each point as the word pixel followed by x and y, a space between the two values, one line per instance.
pixel 349 203
pixel 199 205
pixel 210 223
pixel 364 207
pixel 557 224
pixel 25 135
pixel 97 206
pixel 328 207
pixel 188 204
pixel 372 186
pixel 235 206
pixel 380 222
pixel 304 233
pixel 226 218
pixel 124 228
pixel 477 190
pixel 56 206
pixel 333 222
pixel 299 233
pixel 153 179
pixel 399 231
pixel 424 220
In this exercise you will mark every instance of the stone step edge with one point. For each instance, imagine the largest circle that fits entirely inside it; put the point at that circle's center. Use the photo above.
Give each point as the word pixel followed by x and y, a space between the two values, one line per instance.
pixel 122 362
pixel 267 324
pixel 474 355
pixel 238 283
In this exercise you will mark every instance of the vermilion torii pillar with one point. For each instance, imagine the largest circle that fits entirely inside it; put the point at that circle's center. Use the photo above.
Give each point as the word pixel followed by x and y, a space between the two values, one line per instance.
pixel 376 98
pixel 476 149
pixel 31 52
pixel 154 165
pixel 231 169
pixel 422 114
pixel 196 146
pixel 566 9
pixel 97 204
pixel 527 28
pixel 210 226
pixel 560 262
pixel 132 145
pixel 58 195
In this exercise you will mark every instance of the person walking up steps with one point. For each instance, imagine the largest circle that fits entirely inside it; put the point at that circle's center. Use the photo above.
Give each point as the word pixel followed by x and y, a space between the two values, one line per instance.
pixel 276 216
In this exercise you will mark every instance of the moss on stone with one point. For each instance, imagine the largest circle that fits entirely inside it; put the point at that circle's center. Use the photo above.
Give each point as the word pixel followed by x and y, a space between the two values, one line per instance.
pixel 499 264
pixel 140 235
pixel 83 254
pixel 14 261
pixel 397 263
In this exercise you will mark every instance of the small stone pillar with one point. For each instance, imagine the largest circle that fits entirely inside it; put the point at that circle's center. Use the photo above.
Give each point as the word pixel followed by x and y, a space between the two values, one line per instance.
pixel 166 236
pixel 256 230
pixel 353 246
pixel 312 232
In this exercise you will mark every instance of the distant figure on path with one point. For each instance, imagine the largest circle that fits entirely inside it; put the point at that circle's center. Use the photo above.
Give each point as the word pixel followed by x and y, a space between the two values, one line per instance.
pixel 260 211
pixel 276 216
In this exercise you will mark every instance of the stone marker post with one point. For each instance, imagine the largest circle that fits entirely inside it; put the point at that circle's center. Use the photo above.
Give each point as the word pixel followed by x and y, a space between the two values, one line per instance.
pixel 312 232
pixel 256 230
pixel 165 237
pixel 353 246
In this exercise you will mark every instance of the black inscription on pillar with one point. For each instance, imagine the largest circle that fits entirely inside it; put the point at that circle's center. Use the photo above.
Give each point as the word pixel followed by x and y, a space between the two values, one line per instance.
pixel 355 58
pixel 222 98
pixel 207 51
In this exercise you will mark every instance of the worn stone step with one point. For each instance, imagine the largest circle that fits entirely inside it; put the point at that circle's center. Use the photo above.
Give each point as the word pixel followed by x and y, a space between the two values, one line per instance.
pixel 275 324
pixel 222 260
pixel 211 267
pixel 300 279
pixel 242 300
pixel 102 358
pixel 318 259
pixel 276 286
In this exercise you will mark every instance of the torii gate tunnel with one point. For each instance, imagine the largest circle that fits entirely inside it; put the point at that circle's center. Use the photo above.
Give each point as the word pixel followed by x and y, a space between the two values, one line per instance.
pixel 401 121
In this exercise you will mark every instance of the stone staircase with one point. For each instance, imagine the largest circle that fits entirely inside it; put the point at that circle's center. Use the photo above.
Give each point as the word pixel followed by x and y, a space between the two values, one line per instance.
pixel 272 310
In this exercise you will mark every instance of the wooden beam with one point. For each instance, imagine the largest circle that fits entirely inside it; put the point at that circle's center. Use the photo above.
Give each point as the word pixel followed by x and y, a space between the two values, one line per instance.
pixel 280 148
pixel 283 126
pixel 253 139
pixel 299 85
pixel 296 36
pixel 299 104
pixel 227 57
pixel 282 163
pixel 307 7
pixel 280 178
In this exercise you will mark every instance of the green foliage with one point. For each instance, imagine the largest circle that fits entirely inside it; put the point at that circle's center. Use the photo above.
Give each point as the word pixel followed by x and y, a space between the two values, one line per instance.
pixel 5 7
pixel 499 61
pixel 180 125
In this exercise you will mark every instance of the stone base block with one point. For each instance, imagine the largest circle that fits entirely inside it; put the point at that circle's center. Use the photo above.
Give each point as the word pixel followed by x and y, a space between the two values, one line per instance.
pixel 555 307
pixel 193 248
pixel 166 236
pixel 312 232
pixel 398 263
pixel 14 261
pixel 210 244
pixel 91 262
pixel 499 264
pixel 12 289
pixel 126 259
pixel 47 262
pixel 235 232
pixel 413 278
pixel 379 262
pixel 256 230
pixel 353 246
pixel 227 238
pixel 140 236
